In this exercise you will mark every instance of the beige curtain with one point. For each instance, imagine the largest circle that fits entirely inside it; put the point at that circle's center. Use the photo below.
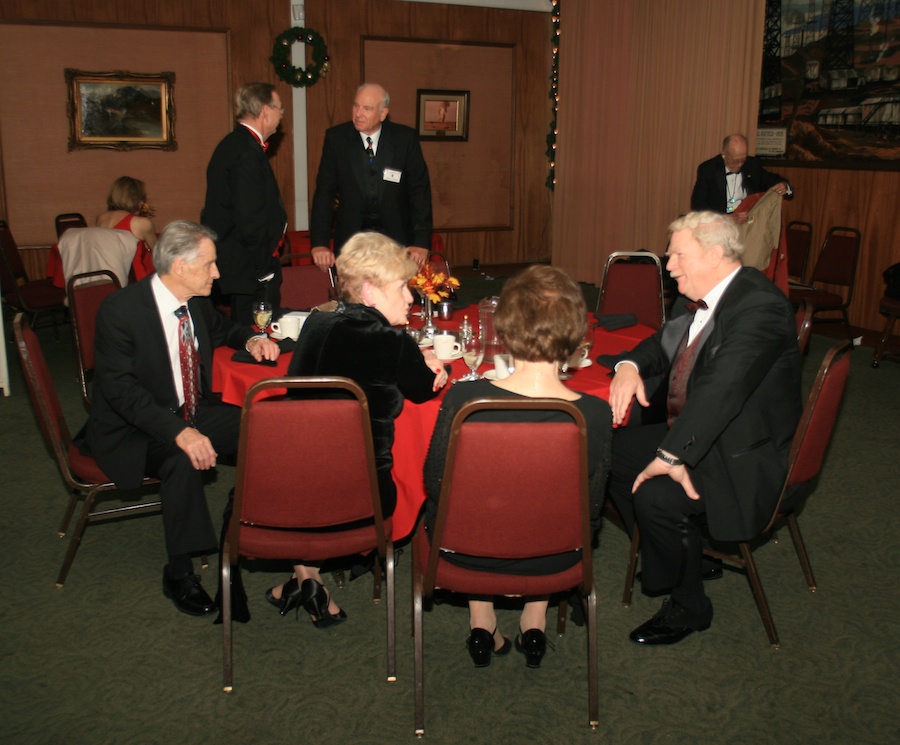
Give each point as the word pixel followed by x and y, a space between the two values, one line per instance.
pixel 648 89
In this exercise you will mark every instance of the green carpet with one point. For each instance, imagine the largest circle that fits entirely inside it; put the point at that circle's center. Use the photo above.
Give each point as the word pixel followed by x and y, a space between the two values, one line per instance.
pixel 107 659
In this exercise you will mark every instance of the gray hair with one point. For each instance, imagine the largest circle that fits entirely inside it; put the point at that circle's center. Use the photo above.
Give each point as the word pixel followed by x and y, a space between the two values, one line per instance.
pixel 179 240
pixel 712 229
pixel 385 96
pixel 251 98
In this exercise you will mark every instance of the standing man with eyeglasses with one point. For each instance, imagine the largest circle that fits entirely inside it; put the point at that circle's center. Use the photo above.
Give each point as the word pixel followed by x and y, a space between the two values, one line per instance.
pixel 244 205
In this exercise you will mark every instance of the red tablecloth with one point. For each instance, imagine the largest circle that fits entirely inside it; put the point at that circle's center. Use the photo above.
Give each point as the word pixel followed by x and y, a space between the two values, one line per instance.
pixel 415 424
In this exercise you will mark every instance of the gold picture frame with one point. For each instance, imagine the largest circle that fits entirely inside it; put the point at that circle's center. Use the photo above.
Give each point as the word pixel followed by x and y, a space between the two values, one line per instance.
pixel 121 110
pixel 442 115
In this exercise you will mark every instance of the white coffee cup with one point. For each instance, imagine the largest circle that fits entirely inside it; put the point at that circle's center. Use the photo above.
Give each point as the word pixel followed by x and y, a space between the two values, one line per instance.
pixel 502 365
pixel 446 346
pixel 287 326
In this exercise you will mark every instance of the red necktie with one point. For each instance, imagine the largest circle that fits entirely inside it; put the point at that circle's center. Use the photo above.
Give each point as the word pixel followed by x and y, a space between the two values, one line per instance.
pixel 188 357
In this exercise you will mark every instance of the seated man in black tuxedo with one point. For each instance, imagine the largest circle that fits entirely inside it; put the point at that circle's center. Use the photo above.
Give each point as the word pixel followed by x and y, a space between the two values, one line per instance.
pixel 724 181
pixel 153 410
pixel 733 404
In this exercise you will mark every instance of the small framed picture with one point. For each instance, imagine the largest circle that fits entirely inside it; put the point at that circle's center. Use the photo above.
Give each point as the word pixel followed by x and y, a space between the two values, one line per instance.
pixel 443 115
pixel 121 110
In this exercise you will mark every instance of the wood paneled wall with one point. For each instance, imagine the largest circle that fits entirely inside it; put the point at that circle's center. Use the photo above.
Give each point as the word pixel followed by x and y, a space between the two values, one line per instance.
pixel 252 28
pixel 329 102
pixel 866 200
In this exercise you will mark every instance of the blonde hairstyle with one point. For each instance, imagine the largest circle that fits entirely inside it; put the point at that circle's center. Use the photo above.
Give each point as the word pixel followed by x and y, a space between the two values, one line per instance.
pixel 712 229
pixel 541 315
pixel 127 194
pixel 251 98
pixel 371 257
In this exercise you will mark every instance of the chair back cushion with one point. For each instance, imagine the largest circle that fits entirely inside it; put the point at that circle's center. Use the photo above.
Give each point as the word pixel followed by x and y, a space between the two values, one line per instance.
pixel 304 286
pixel 798 235
pixel 836 264
pixel 819 416
pixel 633 287
pixel 515 490
pixel 86 293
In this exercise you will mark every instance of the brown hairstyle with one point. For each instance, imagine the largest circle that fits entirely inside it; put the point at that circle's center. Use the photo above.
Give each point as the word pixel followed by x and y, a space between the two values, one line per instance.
pixel 371 257
pixel 127 194
pixel 541 315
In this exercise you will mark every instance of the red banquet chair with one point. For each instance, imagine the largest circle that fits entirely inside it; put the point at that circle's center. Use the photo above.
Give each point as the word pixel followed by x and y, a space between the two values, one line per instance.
pixel 81 473
pixel 303 284
pixel 804 463
pixel 633 283
pixel 86 292
pixel 311 511
pixel 509 490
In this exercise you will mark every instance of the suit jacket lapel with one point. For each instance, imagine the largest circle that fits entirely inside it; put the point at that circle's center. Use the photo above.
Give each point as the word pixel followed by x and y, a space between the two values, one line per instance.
pixel 355 154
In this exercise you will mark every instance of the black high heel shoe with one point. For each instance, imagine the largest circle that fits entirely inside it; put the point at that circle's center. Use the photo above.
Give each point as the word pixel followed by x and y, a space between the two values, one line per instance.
pixel 481 646
pixel 315 602
pixel 290 597
pixel 533 644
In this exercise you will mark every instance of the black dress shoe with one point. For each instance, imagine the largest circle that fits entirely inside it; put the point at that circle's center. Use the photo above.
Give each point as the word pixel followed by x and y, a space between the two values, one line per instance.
pixel 188 594
pixel 533 644
pixel 481 646
pixel 670 625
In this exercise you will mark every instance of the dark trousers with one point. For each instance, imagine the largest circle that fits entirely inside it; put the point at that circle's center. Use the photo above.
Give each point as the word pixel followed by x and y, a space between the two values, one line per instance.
pixel 669 521
pixel 187 524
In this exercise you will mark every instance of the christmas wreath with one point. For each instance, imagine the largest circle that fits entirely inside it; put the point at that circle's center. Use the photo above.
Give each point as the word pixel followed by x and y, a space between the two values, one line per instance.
pixel 281 57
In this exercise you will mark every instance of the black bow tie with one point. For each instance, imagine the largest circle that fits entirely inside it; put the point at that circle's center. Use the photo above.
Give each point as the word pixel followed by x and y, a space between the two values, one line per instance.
pixel 693 307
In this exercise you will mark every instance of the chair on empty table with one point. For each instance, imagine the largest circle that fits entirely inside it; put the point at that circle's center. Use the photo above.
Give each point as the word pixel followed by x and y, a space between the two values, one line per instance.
pixel 536 476
pixel 86 292
pixel 633 283
pixel 316 508
pixel 804 463
pixel 32 297
pixel 835 266
pixel 81 473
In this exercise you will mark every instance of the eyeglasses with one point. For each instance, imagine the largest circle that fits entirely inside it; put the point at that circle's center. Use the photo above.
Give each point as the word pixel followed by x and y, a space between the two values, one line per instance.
pixel 277 108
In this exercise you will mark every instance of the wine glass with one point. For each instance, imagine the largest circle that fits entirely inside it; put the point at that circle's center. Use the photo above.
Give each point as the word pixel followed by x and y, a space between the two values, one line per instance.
pixel 262 314
pixel 473 356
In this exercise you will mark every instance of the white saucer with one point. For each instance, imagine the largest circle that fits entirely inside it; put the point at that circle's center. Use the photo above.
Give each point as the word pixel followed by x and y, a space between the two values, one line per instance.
pixel 587 362
pixel 490 375
pixel 280 337
pixel 456 356
pixel 425 344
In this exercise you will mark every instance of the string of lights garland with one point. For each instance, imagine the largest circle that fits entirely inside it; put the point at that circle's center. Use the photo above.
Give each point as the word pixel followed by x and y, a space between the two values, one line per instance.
pixel 281 57
pixel 554 96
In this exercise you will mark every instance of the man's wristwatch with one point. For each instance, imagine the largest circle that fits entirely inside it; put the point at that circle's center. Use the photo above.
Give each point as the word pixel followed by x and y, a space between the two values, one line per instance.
pixel 670 459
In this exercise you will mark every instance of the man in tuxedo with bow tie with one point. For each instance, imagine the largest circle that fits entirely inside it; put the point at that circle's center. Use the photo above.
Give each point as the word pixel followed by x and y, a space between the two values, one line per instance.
pixel 244 205
pixel 153 411
pixel 376 171
pixel 733 403
pixel 724 181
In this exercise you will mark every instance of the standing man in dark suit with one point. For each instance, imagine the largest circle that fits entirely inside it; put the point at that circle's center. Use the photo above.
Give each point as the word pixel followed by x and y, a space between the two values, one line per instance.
pixel 376 170
pixel 725 181
pixel 244 205
pixel 733 404
pixel 143 421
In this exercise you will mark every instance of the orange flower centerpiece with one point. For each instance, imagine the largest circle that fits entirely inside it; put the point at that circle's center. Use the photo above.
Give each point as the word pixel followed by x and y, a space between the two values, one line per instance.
pixel 433 287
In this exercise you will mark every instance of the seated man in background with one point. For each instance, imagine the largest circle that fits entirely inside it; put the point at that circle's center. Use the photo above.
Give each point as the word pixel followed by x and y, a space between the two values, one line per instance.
pixel 724 181
pixel 733 404
pixel 152 412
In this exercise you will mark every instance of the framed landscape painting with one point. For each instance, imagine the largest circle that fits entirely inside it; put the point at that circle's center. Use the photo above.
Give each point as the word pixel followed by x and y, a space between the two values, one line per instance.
pixel 121 110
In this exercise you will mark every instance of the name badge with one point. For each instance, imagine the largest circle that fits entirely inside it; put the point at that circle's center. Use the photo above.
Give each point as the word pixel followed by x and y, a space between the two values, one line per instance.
pixel 392 175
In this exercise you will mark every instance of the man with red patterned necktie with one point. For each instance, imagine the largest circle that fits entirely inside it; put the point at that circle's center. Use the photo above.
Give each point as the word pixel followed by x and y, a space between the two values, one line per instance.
pixel 145 419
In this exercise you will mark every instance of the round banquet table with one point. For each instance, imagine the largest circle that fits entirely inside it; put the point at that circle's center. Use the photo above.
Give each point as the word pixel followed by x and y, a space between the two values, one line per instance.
pixel 415 424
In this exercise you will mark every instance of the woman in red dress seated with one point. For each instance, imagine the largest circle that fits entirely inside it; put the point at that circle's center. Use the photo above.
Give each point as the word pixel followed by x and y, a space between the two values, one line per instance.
pixel 127 209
